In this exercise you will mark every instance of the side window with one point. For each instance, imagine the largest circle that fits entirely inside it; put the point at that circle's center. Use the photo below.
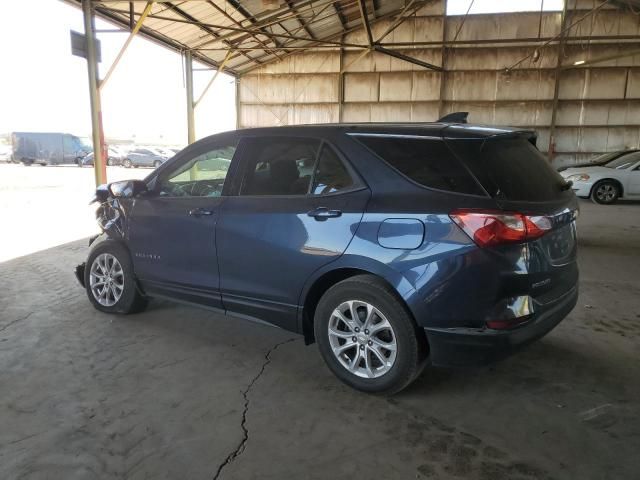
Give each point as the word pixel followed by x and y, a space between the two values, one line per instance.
pixel 330 175
pixel 279 166
pixel 202 176
pixel 425 161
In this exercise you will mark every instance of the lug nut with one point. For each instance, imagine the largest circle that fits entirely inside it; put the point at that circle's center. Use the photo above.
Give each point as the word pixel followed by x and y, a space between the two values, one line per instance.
pixel 366 332
pixel 354 339
pixel 357 329
pixel 361 347
pixel 370 343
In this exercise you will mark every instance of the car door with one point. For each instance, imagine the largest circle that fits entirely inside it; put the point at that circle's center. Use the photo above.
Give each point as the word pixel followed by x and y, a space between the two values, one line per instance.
pixel 633 177
pixel 297 207
pixel 172 234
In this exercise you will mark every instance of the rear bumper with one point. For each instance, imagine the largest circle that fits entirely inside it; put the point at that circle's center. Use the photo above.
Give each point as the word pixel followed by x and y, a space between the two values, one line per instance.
pixel 455 347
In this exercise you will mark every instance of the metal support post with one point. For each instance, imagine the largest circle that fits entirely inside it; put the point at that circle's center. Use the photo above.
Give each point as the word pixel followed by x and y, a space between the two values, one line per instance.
pixel 99 150
pixel 191 128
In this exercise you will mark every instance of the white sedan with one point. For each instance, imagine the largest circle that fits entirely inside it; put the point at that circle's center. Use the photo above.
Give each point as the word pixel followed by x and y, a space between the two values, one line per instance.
pixel 620 178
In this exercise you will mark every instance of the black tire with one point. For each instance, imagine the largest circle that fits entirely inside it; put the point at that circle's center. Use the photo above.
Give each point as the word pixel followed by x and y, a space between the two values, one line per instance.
pixel 157 163
pixel 131 300
pixel 412 348
pixel 79 162
pixel 605 192
pixel 127 163
pixel 110 162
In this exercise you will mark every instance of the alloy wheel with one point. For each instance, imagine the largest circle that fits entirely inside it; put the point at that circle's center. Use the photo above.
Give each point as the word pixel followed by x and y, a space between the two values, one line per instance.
pixel 362 339
pixel 606 192
pixel 106 279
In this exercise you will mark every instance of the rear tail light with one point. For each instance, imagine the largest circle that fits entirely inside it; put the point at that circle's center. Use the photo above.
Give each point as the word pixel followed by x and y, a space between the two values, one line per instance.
pixel 487 228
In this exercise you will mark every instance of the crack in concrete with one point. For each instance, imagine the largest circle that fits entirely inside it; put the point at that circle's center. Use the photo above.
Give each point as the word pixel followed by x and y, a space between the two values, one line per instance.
pixel 243 424
pixel 13 322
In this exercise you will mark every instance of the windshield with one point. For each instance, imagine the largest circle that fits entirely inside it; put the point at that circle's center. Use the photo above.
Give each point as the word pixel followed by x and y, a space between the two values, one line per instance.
pixel 605 157
pixel 623 162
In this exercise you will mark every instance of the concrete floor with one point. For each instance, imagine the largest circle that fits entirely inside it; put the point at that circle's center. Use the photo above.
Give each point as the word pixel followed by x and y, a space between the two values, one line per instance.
pixel 179 392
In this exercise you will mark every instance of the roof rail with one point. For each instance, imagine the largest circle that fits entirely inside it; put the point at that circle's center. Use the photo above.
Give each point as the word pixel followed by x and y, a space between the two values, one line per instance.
pixel 455 117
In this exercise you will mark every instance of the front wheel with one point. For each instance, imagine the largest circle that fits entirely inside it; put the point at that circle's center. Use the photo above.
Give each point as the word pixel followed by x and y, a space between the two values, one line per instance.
pixel 157 163
pixel 109 280
pixel 605 192
pixel 367 337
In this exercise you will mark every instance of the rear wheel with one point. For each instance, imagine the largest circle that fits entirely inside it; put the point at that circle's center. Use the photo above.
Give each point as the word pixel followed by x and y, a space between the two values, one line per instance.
pixel 109 280
pixel 605 192
pixel 110 162
pixel 79 162
pixel 367 337
pixel 127 163
pixel 157 163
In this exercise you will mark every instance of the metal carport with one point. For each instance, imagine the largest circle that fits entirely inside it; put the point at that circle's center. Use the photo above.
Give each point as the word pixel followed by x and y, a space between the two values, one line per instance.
pixel 240 37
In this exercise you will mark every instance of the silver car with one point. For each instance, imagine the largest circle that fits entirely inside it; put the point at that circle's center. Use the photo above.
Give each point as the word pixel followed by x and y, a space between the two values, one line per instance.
pixel 144 157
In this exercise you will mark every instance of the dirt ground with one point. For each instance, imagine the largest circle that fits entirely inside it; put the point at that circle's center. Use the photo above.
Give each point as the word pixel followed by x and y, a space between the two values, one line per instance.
pixel 178 392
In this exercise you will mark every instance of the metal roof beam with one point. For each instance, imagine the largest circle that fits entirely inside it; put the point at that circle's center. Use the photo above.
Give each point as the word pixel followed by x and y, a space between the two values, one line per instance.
pixel 134 31
pixel 362 4
pixel 340 14
pixel 406 58
pixel 121 17
pixel 303 24
pixel 200 25
pixel 229 17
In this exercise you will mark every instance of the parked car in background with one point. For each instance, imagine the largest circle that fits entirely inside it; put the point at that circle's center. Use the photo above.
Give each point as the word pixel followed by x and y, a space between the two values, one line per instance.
pixel 600 159
pixel 48 148
pixel 144 157
pixel 389 245
pixel 619 178
pixel 165 152
pixel 114 158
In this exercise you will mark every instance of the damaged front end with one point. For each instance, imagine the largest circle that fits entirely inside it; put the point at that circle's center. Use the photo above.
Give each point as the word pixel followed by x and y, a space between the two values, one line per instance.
pixel 111 213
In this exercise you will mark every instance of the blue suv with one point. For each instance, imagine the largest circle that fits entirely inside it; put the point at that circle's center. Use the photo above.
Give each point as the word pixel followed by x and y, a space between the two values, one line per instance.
pixel 391 246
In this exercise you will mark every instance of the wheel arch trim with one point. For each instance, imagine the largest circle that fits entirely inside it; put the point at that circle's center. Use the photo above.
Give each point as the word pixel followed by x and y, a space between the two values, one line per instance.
pixel 345 267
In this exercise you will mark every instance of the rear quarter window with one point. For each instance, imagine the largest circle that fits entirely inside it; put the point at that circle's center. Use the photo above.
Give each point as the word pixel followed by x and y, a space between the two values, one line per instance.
pixel 428 162
pixel 510 168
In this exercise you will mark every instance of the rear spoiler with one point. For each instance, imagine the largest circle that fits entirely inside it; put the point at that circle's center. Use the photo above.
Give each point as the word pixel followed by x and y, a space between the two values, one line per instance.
pixel 455 117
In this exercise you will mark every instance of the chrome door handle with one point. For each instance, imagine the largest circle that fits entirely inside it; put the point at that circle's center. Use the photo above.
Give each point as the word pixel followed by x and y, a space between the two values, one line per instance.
pixel 322 213
pixel 199 212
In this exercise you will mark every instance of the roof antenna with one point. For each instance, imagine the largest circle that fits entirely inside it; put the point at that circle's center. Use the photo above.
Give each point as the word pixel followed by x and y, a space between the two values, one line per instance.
pixel 455 117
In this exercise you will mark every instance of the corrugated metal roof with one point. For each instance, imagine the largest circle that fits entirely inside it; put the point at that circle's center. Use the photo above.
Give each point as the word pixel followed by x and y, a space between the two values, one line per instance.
pixel 256 31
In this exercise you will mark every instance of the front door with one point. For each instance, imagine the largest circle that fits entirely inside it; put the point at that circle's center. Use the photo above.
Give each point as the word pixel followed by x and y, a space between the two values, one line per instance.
pixel 297 209
pixel 633 183
pixel 172 232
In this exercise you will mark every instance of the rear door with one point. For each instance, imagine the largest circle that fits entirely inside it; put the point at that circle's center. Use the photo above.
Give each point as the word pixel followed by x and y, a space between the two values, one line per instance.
pixel 520 179
pixel 172 230
pixel 297 207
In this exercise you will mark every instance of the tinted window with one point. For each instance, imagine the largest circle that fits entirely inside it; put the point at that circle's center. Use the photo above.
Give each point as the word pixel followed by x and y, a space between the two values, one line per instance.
pixel 202 176
pixel 279 166
pixel 425 161
pixel 330 174
pixel 511 169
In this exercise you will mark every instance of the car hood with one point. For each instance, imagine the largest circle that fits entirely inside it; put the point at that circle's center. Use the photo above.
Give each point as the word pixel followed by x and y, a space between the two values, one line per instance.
pixel 589 170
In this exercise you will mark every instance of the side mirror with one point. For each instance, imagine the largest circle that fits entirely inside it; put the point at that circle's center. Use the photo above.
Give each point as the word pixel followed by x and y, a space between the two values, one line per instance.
pixel 127 188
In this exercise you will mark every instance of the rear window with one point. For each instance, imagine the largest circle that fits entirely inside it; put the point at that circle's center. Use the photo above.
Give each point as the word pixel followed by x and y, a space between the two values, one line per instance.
pixel 510 168
pixel 426 161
